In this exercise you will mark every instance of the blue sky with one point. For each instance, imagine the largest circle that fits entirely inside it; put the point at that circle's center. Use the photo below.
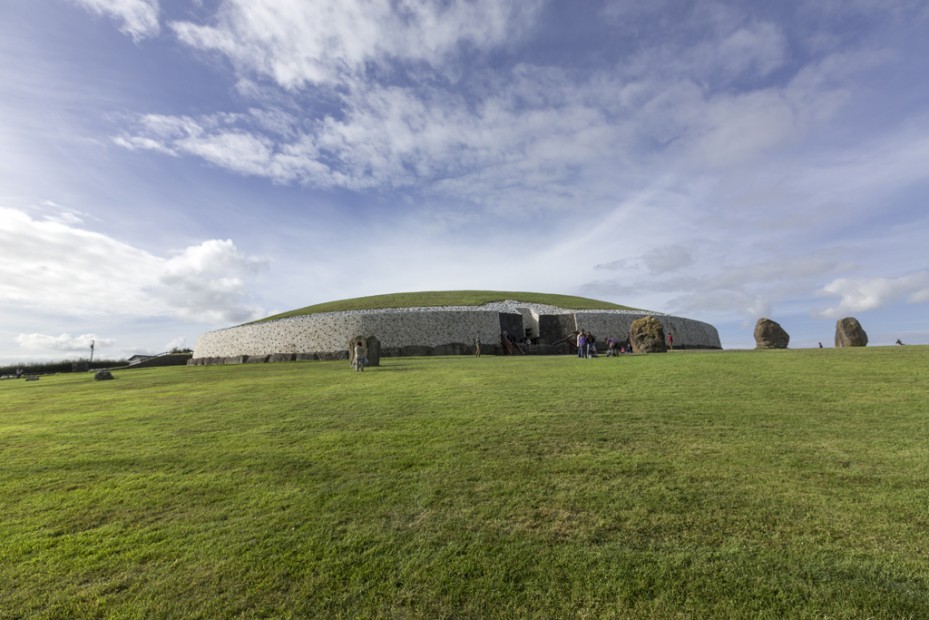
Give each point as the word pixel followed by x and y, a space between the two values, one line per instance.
pixel 171 167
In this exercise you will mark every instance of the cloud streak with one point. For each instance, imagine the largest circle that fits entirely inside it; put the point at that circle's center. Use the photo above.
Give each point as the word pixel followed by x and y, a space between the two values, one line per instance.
pixel 138 19
pixel 334 43
pixel 385 106
pixel 859 295
pixel 48 265
pixel 62 342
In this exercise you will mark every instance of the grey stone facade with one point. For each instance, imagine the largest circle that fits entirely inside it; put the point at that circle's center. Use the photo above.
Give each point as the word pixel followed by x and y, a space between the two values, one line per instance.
pixel 425 331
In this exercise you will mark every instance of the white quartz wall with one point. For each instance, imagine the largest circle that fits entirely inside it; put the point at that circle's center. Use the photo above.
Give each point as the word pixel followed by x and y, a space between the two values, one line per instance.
pixel 431 328
pixel 331 331
pixel 686 332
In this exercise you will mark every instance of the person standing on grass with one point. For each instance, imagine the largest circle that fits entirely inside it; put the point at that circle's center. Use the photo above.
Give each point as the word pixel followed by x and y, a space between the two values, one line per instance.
pixel 581 344
pixel 359 362
pixel 670 341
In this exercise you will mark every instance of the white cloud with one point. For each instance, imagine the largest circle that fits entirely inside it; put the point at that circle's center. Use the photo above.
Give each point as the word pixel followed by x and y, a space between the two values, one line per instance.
pixel 61 215
pixel 385 104
pixel 334 42
pixel 179 343
pixel 531 138
pixel 50 266
pixel 62 342
pixel 137 18
pixel 869 294
pixel 207 282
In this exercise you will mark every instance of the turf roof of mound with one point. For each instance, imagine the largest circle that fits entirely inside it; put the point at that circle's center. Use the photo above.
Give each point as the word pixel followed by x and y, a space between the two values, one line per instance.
pixel 449 298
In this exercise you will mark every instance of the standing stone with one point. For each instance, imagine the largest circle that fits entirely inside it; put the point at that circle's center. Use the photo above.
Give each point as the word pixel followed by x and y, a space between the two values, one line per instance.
pixel 646 335
pixel 770 335
pixel 351 349
pixel 372 349
pixel 848 333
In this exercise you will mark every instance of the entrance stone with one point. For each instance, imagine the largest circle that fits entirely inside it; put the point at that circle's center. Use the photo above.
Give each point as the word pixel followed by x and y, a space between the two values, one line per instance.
pixel 647 336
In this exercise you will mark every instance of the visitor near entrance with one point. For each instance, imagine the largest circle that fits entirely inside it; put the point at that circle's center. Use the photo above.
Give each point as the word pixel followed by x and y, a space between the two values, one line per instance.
pixel 359 360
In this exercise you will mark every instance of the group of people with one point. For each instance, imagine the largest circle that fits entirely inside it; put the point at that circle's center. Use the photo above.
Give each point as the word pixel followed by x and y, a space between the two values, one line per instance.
pixel 587 345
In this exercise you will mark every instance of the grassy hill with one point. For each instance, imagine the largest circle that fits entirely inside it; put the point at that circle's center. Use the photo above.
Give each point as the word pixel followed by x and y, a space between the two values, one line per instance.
pixel 428 299
pixel 763 484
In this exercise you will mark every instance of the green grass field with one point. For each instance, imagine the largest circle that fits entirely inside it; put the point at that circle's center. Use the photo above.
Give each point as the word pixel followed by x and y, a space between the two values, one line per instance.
pixel 761 484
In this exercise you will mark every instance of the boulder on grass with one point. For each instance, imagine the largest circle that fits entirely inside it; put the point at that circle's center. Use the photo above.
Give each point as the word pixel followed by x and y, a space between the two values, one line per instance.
pixel 770 335
pixel 103 375
pixel 848 333
pixel 372 350
pixel 647 336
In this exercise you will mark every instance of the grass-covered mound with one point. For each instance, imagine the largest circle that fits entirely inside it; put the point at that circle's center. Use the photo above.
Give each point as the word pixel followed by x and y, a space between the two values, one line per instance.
pixel 494 487
pixel 428 299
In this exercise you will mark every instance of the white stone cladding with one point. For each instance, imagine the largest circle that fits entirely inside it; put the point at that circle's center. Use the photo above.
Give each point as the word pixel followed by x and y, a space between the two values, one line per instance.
pixel 426 327
pixel 686 332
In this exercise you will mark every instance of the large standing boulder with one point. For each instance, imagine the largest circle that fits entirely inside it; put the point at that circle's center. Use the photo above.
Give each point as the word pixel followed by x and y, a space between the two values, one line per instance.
pixel 647 336
pixel 848 333
pixel 372 350
pixel 373 347
pixel 770 335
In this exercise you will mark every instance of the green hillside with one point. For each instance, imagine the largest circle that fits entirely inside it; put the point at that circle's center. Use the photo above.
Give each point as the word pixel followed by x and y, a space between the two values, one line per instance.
pixel 426 299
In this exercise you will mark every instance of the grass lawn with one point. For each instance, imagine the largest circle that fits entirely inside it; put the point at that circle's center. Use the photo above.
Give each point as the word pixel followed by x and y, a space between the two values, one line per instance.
pixel 762 484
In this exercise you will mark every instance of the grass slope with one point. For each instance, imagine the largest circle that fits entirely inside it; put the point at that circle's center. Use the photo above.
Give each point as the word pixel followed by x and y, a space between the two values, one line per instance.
pixel 761 484
pixel 449 298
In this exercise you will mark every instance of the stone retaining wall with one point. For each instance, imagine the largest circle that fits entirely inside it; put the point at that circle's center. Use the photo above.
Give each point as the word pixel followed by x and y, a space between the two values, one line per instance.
pixel 687 333
pixel 425 331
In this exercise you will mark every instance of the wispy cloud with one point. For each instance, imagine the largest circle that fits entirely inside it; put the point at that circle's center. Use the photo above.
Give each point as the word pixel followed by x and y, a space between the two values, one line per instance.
pixel 136 18
pixel 337 42
pixel 62 342
pixel 49 265
pixel 521 137
pixel 859 295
